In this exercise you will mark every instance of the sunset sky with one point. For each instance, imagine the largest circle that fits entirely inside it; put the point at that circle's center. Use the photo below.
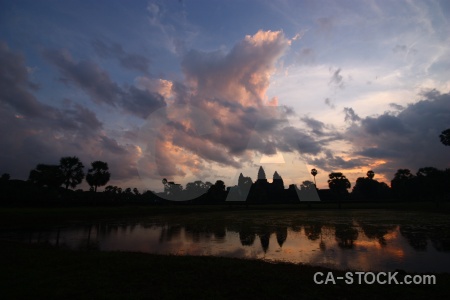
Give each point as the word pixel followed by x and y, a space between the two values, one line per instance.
pixel 204 90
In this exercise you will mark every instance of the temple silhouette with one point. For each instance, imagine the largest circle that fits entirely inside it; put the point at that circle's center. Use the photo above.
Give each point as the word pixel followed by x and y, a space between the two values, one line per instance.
pixel 261 191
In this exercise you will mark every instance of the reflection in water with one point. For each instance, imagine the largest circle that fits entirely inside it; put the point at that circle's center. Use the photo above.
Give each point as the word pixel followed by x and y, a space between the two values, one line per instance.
pixel 351 243
pixel 416 237
pixel 313 231
pixel 247 237
pixel 377 232
pixel 281 233
pixel 345 235
pixel 265 240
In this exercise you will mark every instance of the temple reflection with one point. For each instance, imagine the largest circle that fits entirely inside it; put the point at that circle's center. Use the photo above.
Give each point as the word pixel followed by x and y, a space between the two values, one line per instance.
pixel 356 243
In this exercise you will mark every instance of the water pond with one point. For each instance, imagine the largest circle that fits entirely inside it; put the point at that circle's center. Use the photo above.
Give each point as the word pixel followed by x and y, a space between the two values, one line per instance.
pixel 378 240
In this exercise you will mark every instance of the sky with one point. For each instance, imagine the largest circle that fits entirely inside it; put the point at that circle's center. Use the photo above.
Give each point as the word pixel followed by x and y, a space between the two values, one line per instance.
pixel 205 90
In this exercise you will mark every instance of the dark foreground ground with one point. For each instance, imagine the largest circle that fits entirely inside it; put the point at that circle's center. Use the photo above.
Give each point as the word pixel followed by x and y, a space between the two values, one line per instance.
pixel 45 272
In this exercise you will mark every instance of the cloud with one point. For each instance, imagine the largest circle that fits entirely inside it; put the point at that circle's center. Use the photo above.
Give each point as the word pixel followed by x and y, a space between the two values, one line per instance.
pixel 160 86
pixel 332 162
pixel 384 124
pixel 220 114
pixel 97 83
pixel 396 106
pixel 129 61
pixel 16 89
pixel 80 118
pixel 242 75
pixel 86 75
pixel 337 79
pixel 32 132
pixel 409 139
pixel 174 31
pixel 350 115
pixel 317 127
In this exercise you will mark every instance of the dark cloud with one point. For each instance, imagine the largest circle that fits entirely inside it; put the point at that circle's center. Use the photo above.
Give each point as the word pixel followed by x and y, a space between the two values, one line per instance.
pixel 86 75
pixel 350 115
pixel 384 124
pixel 81 118
pixel 32 132
pixel 316 126
pixel 396 106
pixel 337 79
pixel 329 161
pixel 292 139
pixel 129 61
pixel 97 83
pixel 16 89
pixel 375 152
pixel 112 145
pixel 409 139
pixel 141 103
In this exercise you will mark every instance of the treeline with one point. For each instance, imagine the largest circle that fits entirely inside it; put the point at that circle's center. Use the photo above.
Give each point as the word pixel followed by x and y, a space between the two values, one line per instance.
pixel 428 184
pixel 56 184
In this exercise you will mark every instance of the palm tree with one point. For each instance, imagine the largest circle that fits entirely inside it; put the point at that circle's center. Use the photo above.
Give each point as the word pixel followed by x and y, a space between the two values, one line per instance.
pixel 314 173
pixel 339 184
pixel 98 175
pixel 72 171
pixel 370 174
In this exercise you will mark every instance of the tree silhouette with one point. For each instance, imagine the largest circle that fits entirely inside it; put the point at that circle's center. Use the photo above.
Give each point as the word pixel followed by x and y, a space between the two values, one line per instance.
pixel 445 137
pixel 196 188
pixel 98 175
pixel 219 185
pixel 172 190
pixel 307 185
pixel 432 183
pixel 71 170
pixel 46 175
pixel 217 191
pixel 368 188
pixel 403 184
pixel 314 173
pixel 338 182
